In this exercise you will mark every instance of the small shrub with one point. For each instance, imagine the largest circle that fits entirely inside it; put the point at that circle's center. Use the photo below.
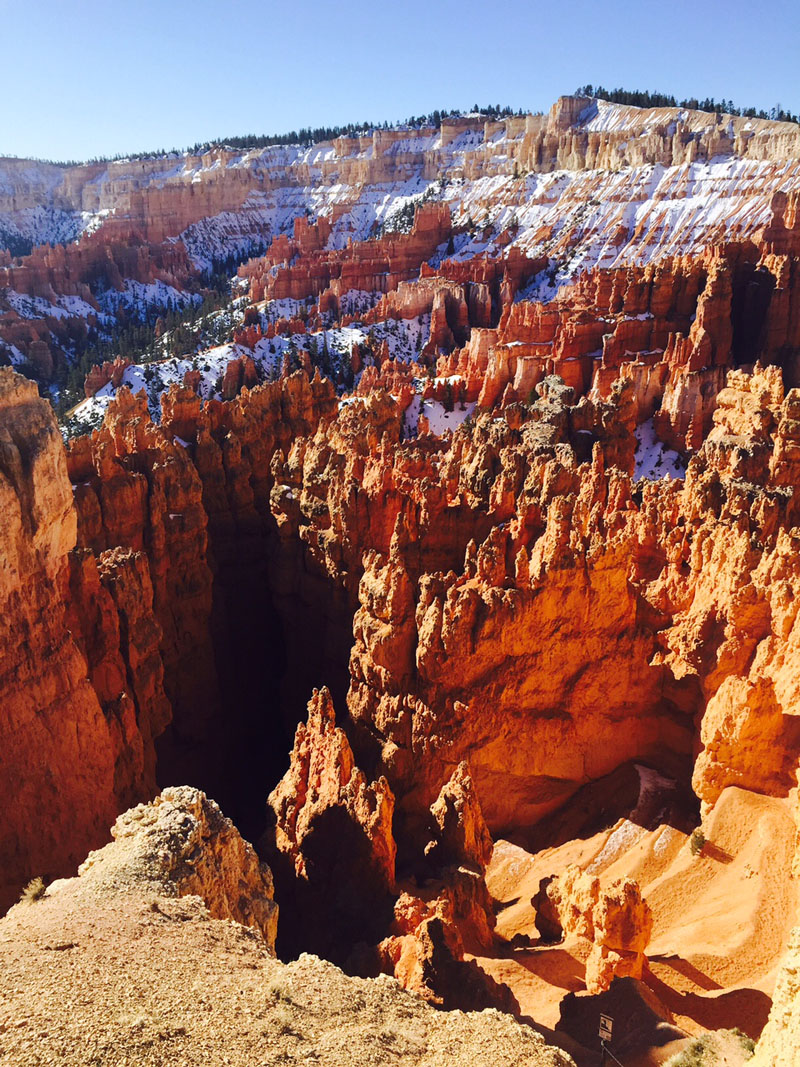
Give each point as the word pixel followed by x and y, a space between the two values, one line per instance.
pixel 697 841
pixel 280 988
pixel 33 891
pixel 712 1049
pixel 747 1043
pixel 694 1055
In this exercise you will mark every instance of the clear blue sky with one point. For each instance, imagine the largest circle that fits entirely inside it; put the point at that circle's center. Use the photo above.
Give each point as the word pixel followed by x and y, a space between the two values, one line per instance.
pixel 86 78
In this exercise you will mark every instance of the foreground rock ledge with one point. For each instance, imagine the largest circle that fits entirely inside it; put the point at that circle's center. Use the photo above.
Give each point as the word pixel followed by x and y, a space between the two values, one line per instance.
pixel 117 967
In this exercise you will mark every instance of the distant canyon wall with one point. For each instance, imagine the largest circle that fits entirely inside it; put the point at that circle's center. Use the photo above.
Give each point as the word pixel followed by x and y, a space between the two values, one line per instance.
pixel 163 195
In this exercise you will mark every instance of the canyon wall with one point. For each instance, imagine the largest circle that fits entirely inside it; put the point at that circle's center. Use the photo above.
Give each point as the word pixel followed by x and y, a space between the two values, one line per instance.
pixel 496 612
pixel 540 614
pixel 115 619
pixel 82 676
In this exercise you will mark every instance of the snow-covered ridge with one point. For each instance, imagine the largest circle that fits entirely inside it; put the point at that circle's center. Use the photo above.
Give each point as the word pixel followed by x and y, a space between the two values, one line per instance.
pixel 599 138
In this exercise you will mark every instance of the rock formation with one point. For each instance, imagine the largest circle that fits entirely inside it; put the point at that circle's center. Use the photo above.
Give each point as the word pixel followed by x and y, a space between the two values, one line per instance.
pixel 139 490
pixel 614 918
pixel 333 836
pixel 444 907
pixel 778 1045
pixel 335 225
pixel 466 558
pixel 139 955
pixel 80 673
pixel 181 844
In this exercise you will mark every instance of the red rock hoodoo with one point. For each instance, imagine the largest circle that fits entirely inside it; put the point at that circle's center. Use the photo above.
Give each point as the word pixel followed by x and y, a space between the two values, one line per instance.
pixel 419 482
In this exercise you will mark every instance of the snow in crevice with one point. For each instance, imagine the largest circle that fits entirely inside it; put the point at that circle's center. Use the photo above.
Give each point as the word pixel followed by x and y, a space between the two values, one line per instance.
pixel 440 419
pixel 654 459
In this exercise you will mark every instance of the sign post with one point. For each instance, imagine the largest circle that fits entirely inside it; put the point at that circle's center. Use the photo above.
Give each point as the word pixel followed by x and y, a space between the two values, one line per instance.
pixel 606 1028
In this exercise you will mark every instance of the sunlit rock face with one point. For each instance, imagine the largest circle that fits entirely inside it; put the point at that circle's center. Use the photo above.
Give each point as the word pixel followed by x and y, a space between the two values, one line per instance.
pixel 497 466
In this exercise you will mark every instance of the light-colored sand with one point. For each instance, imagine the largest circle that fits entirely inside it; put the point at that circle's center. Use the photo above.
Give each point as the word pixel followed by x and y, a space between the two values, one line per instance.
pixel 722 919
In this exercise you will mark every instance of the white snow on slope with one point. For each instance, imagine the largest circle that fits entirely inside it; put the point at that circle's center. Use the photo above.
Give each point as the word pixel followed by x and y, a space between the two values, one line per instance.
pixel 653 459
pixel 42 225
pixel 35 307
pixel 586 219
pixel 141 295
pixel 290 179
pixel 439 419
pixel 404 339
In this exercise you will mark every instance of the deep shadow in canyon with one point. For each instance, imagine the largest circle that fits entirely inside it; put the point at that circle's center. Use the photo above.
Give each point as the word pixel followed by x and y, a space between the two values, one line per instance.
pixel 274 642
pixel 280 628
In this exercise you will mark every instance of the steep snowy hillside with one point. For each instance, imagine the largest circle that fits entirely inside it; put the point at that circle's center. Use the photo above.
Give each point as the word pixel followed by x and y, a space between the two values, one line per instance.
pixel 598 242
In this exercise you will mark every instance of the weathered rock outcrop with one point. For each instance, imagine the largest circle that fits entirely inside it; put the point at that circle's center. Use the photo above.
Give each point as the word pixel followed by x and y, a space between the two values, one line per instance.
pixel 614 918
pixel 444 906
pixel 467 546
pixel 323 777
pixel 65 283
pixel 315 209
pixel 542 616
pixel 181 844
pixel 333 838
pixel 503 614
pixel 137 489
pixel 304 267
pixel 425 953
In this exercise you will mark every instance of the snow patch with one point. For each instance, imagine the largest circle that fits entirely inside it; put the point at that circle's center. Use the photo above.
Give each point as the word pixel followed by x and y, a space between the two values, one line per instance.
pixel 621 840
pixel 654 459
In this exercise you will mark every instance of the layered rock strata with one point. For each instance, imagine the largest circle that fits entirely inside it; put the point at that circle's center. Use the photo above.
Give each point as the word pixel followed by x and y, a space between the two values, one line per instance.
pixel 497 186
pixel 81 683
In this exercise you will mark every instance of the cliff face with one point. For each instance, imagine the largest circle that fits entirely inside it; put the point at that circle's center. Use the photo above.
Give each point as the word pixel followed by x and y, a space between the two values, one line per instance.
pixel 541 617
pixel 304 266
pixel 333 828
pixel 115 621
pixel 779 1043
pixel 543 580
pixel 81 672
pixel 137 489
pixel 467 557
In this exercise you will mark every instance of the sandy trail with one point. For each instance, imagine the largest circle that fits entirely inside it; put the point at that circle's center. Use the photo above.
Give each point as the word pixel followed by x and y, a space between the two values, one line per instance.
pixel 722 919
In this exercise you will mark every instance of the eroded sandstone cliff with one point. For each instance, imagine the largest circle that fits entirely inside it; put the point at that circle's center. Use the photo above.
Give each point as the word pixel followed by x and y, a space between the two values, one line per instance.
pixel 501 609
pixel 82 692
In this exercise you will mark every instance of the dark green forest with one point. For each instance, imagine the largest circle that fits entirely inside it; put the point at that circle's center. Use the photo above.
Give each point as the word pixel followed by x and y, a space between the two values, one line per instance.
pixel 644 98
